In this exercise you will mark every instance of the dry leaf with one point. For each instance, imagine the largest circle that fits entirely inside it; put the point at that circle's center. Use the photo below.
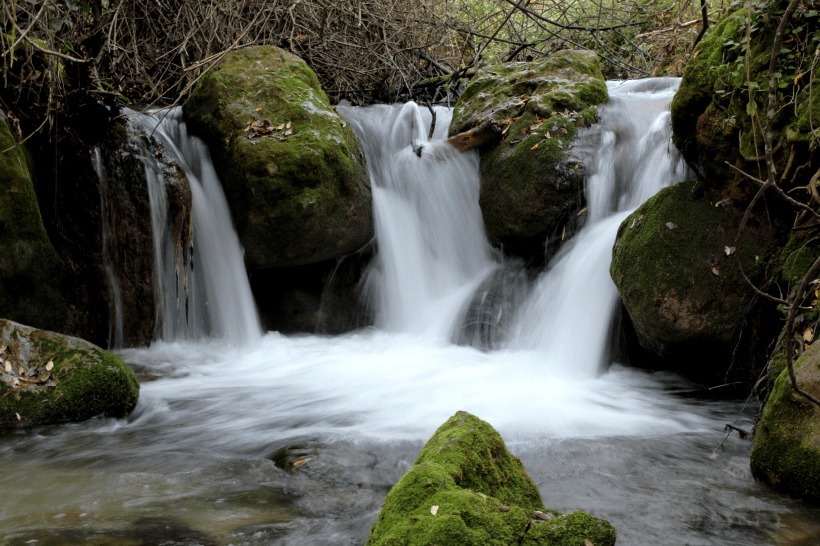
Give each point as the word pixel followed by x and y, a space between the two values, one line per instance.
pixel 299 462
pixel 588 543
pixel 548 135
pixel 808 334
pixel 434 510
pixel 8 367
pixel 3 348
pixel 49 366
pixel 288 132
pixel 18 416
pixel 257 109
pixel 716 270
pixel 729 250
pixel 288 125
pixel 797 78
pixel 724 202
pixel 637 220
pixel 671 225
pixel 534 146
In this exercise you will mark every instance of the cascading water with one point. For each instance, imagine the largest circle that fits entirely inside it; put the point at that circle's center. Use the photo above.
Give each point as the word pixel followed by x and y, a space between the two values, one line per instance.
pixel 432 252
pixel 199 462
pixel 201 284
pixel 569 315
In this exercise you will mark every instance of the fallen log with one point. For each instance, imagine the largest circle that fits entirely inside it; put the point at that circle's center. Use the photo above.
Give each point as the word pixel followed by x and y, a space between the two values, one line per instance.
pixel 486 134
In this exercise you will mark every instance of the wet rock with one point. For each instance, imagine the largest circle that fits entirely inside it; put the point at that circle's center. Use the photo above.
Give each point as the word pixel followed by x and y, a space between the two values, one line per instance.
pixel 48 378
pixel 291 167
pixel 31 273
pixel 531 186
pixel 466 488
pixel 786 450
pixel 676 265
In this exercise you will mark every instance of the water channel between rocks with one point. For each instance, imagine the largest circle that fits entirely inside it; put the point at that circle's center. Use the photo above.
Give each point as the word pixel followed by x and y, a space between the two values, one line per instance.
pixel 278 439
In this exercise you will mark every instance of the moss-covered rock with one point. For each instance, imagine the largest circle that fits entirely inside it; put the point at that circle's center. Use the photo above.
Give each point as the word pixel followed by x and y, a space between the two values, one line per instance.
pixel 466 489
pixel 48 378
pixel 30 270
pixel 530 185
pixel 292 169
pixel 786 450
pixel 676 265
pixel 720 108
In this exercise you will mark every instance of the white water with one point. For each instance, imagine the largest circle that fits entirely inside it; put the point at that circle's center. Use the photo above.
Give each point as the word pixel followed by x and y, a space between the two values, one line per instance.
pixel 569 316
pixel 432 252
pixel 207 294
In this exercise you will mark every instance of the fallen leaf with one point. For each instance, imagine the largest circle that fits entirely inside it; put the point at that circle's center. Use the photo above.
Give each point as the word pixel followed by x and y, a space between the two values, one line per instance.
pixel 18 416
pixel 49 366
pixel 257 109
pixel 637 220
pixel 715 270
pixel 797 78
pixel 299 462
pixel 724 202
pixel 671 225
pixel 808 334
pixel 288 125
pixel 8 367
pixel 3 348
pixel 548 135
pixel 729 250
pixel 588 543
pixel 534 146
pixel 434 510
pixel 288 132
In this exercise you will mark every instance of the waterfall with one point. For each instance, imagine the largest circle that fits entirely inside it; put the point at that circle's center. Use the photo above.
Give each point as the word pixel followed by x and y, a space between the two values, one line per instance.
pixel 570 312
pixel 435 272
pixel 201 285
pixel 116 330
pixel 432 251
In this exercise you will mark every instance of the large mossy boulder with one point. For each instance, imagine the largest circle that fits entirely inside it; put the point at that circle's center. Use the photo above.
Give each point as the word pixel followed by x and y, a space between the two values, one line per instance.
pixel 719 111
pixel 676 263
pixel 292 169
pixel 48 378
pixel 31 273
pixel 786 450
pixel 531 186
pixel 466 489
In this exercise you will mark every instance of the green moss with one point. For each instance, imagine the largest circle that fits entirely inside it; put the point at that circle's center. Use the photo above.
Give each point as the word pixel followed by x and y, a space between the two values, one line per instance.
pixel 299 194
pixel 682 289
pixel 786 449
pixel 30 270
pixel 466 489
pixel 85 381
pixel 797 257
pixel 527 190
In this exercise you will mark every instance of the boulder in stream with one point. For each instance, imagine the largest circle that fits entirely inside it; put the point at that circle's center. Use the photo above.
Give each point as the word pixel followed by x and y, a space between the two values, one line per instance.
pixel 292 169
pixel 786 450
pixel 48 378
pixel 465 488
pixel 531 185
pixel 676 264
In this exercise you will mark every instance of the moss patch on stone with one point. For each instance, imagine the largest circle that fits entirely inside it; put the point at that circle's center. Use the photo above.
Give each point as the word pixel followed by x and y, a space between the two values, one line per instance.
pixel 298 187
pixel 786 450
pixel 82 381
pixel 30 270
pixel 530 186
pixel 465 488
pixel 676 265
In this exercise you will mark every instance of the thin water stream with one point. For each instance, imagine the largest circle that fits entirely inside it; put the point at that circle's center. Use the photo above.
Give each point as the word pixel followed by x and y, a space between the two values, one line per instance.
pixel 296 440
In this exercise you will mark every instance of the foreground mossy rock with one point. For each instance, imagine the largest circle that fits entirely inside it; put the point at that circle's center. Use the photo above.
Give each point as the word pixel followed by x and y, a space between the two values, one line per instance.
pixel 786 450
pixel 48 378
pixel 292 169
pixel 531 187
pixel 718 111
pixel 30 270
pixel 675 263
pixel 466 489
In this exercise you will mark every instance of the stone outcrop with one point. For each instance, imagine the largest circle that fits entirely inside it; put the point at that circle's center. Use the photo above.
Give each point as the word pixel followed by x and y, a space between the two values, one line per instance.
pixel 48 378
pixel 465 488
pixel 292 169
pixel 531 186
pixel 676 263
pixel 31 273
pixel 786 450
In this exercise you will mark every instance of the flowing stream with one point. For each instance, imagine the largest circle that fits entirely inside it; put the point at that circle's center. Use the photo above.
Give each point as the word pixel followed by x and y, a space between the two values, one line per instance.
pixel 296 440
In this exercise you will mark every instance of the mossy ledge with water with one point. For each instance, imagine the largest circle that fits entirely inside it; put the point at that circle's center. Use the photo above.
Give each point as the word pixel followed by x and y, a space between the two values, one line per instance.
pixel 48 378
pixel 465 488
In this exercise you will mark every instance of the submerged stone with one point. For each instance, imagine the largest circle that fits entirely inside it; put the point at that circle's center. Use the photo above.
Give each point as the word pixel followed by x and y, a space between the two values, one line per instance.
pixel 292 169
pixel 676 263
pixel 48 378
pixel 466 489
pixel 531 185
pixel 786 450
